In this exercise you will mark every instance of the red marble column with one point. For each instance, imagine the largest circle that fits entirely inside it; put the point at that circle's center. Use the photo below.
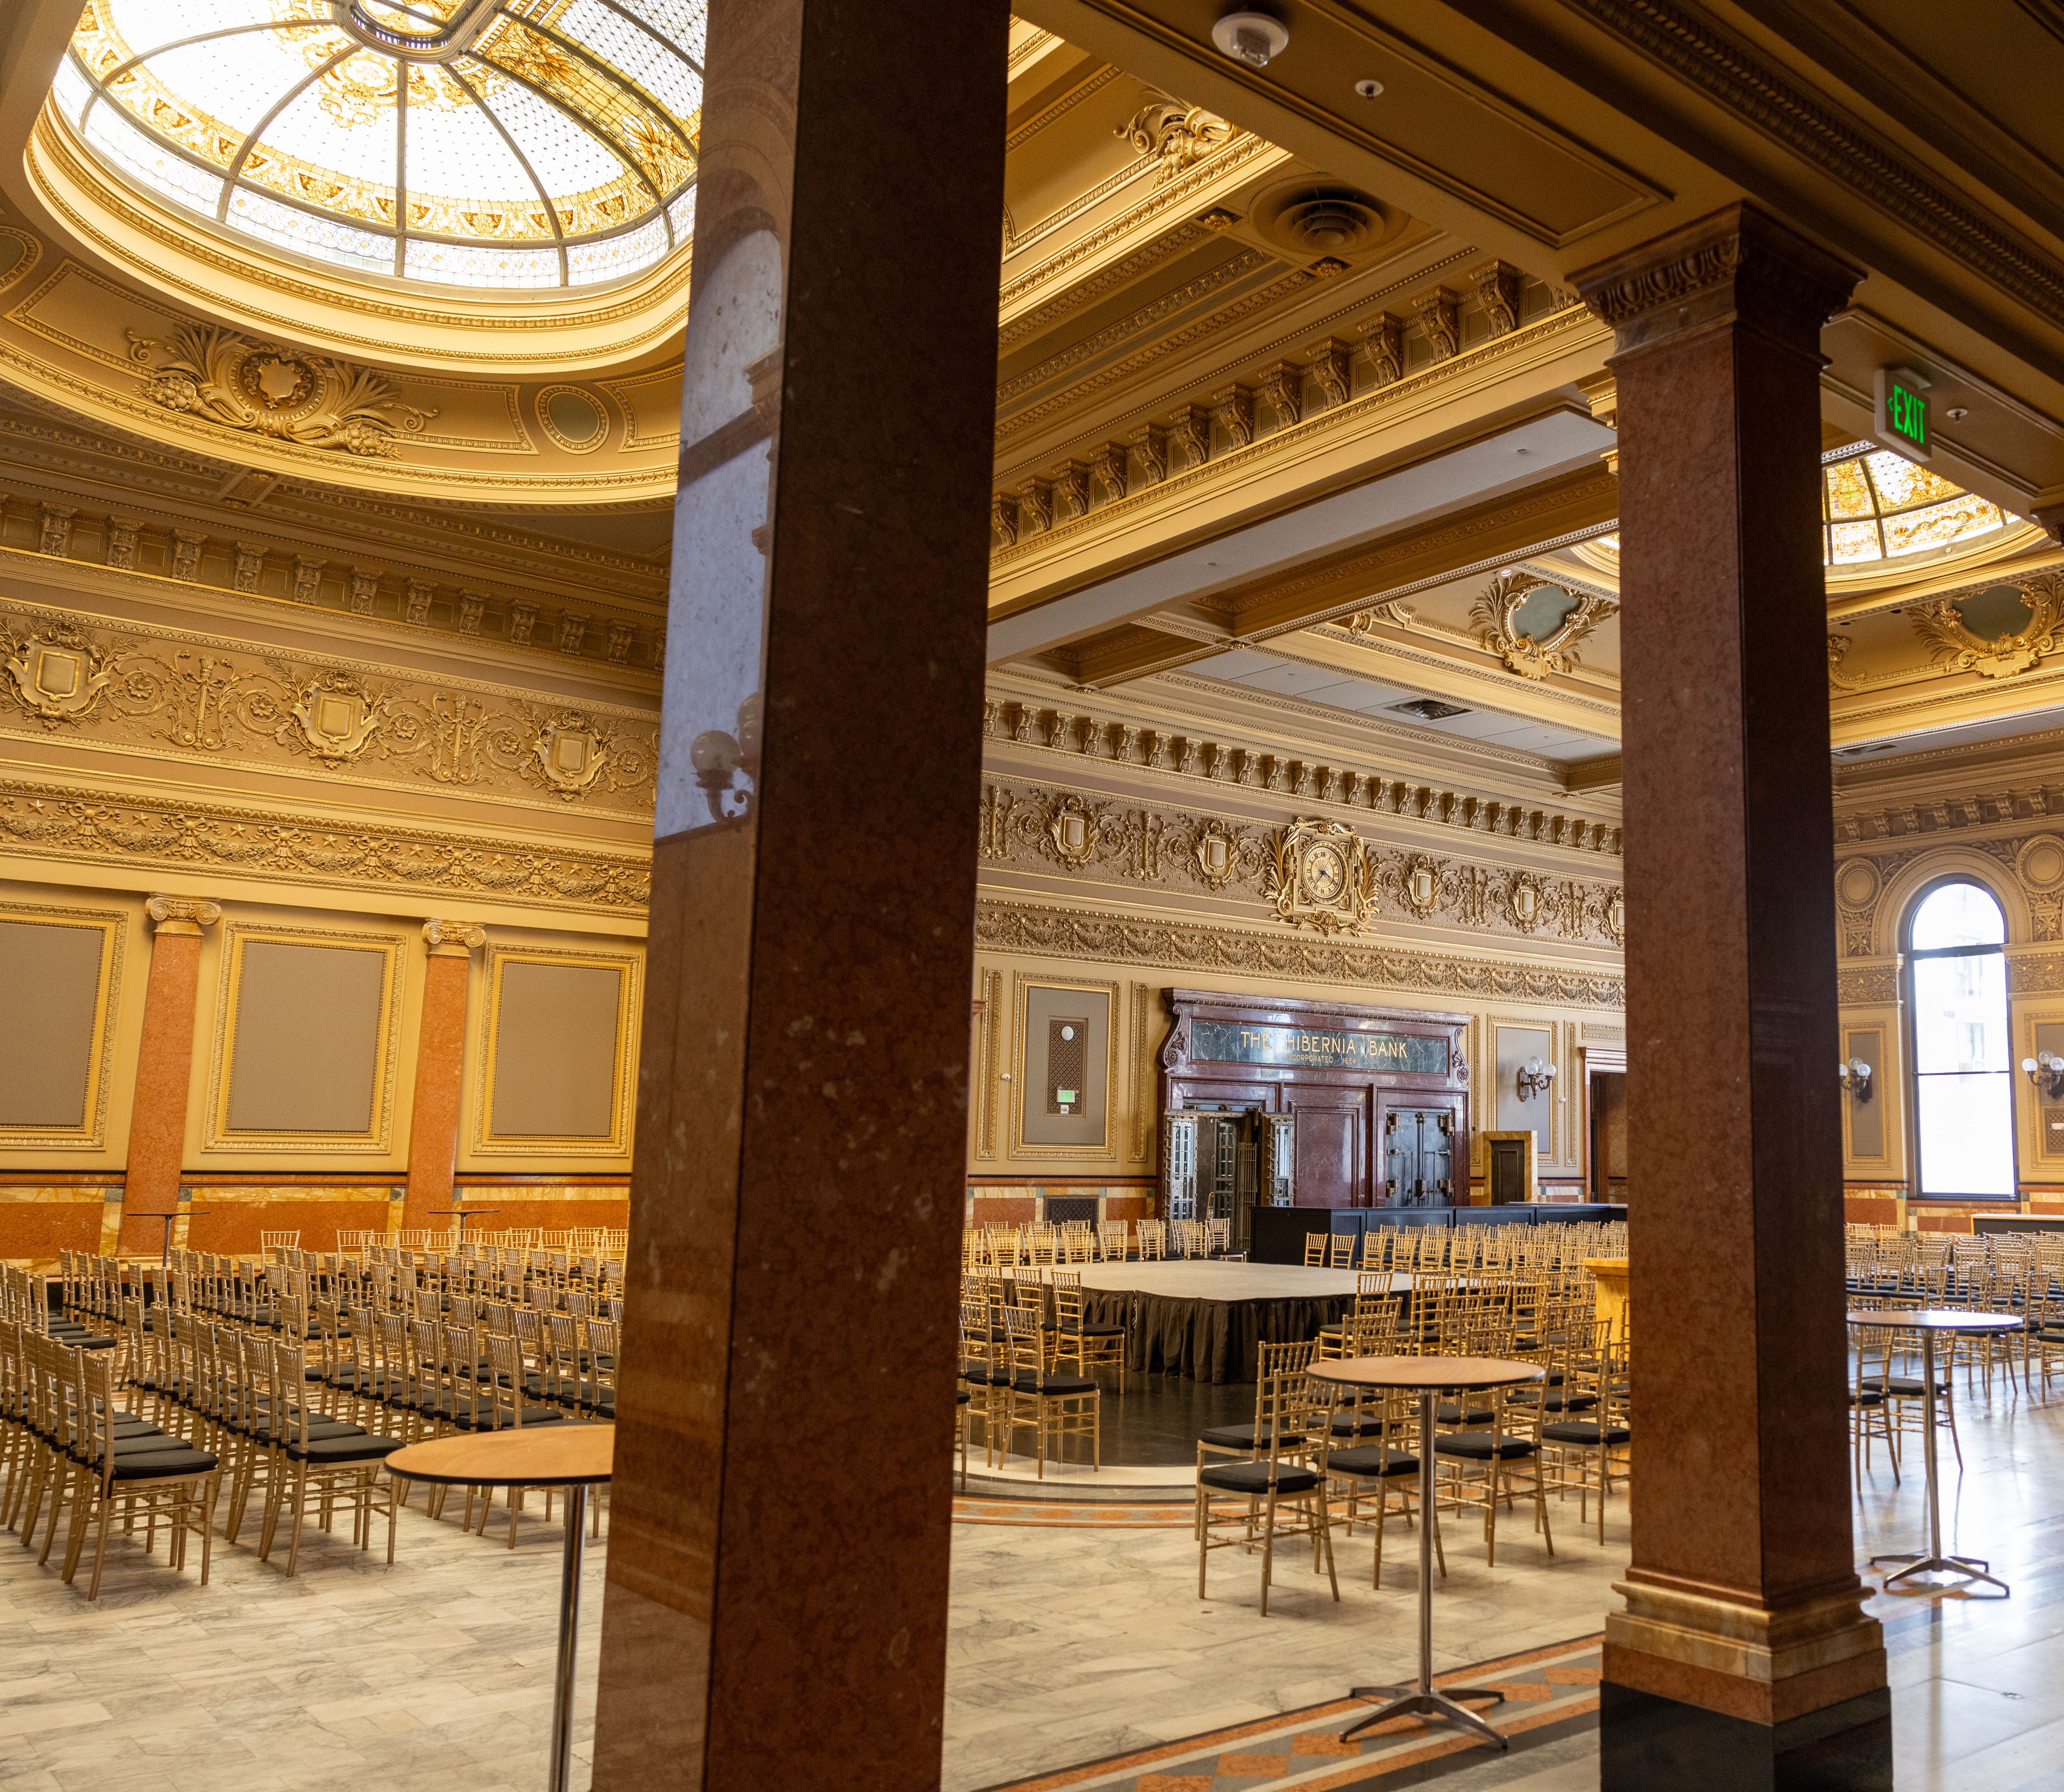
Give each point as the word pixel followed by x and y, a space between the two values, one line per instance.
pixel 781 1507
pixel 164 1071
pixel 1743 1657
pixel 433 1117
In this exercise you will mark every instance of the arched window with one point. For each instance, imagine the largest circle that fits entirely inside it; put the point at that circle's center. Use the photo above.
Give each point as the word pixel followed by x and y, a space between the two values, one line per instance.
pixel 1963 1085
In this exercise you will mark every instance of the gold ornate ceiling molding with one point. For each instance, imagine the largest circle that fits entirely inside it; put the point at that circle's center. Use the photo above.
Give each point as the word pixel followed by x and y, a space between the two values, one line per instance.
pixel 103 351
pixel 1124 939
pixel 58 822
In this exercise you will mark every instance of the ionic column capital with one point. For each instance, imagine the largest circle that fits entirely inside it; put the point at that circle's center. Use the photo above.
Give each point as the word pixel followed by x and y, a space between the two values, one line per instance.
pixel 171 914
pixel 449 939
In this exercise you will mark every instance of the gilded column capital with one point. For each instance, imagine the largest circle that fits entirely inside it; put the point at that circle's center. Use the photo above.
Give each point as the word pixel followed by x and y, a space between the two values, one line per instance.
pixel 449 939
pixel 171 914
pixel 1738 265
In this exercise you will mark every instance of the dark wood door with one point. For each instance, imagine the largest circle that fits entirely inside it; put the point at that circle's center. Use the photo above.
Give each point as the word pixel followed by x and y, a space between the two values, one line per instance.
pixel 1331 1162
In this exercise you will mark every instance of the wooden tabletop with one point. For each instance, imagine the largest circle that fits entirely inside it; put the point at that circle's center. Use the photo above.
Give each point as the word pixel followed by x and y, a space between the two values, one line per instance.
pixel 1422 1372
pixel 557 1454
pixel 1934 1318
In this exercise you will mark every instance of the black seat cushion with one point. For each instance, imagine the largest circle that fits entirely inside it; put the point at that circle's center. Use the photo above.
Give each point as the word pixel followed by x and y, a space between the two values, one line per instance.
pixel 1372 1460
pixel 1455 1416
pixel 1252 1478
pixel 1584 1430
pixel 1482 1446
pixel 1354 1425
pixel 1235 1437
pixel 161 1465
pixel 329 1450
pixel 1025 1381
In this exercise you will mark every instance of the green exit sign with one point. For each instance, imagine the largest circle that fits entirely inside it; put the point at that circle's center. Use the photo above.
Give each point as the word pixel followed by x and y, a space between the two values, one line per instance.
pixel 1902 412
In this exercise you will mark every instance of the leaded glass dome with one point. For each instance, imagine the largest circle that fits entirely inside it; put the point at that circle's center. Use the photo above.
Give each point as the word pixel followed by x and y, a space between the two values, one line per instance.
pixel 481 143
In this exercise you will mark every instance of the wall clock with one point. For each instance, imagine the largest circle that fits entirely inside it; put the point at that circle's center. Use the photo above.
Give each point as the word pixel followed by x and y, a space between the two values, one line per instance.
pixel 1322 877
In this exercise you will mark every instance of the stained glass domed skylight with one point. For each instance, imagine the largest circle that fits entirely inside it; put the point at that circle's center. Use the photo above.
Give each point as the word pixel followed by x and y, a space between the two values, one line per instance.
pixel 484 143
pixel 1875 506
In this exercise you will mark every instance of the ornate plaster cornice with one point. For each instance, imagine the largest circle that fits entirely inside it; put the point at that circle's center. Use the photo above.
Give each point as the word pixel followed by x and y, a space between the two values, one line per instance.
pixel 1084 738
pixel 157 834
pixel 1693 49
pixel 1189 947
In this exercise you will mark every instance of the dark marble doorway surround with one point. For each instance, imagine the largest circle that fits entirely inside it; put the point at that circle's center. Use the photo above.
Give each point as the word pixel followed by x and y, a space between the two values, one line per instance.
pixel 1743 1657
pixel 776 1594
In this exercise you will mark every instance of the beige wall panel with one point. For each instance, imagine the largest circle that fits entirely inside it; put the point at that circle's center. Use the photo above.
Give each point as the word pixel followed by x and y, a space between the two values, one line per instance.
pixel 63 956
pixel 307 1039
pixel 280 1036
pixel 557 1031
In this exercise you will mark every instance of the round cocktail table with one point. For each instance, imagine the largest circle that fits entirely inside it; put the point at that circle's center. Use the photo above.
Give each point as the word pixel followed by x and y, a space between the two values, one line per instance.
pixel 1427 1376
pixel 1928 1321
pixel 575 1457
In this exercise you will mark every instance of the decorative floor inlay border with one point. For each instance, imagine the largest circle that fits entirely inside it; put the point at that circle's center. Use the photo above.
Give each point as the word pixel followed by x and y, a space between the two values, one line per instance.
pixel 1135 1515
pixel 1548 1693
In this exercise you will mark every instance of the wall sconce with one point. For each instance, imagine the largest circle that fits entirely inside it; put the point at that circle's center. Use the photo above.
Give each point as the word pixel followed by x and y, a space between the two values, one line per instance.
pixel 2045 1070
pixel 718 758
pixel 1856 1078
pixel 1534 1077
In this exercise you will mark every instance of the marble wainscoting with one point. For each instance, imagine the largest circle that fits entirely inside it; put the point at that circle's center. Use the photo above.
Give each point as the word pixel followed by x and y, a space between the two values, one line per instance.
pixel 1005 1203
pixel 39 1220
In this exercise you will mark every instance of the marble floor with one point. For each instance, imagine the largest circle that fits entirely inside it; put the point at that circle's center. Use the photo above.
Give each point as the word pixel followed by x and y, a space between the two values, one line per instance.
pixel 1069 1643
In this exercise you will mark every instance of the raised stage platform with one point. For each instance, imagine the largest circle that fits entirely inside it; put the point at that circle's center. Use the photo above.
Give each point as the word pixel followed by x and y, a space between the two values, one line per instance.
pixel 1206 1320
pixel 1278 1235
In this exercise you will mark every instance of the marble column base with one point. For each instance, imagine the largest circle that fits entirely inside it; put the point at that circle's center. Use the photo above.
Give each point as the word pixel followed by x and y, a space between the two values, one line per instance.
pixel 1646 1742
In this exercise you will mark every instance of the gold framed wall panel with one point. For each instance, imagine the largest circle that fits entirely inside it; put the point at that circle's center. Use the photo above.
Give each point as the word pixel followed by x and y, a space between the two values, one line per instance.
pixel 112 926
pixel 377 1140
pixel 988 1039
pixel 2041 1028
pixel 1141 1082
pixel 1866 1039
pixel 1023 984
pixel 490 1143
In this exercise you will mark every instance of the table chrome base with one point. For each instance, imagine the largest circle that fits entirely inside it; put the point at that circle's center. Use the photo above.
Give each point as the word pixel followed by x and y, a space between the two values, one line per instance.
pixel 1408 1702
pixel 1965 1567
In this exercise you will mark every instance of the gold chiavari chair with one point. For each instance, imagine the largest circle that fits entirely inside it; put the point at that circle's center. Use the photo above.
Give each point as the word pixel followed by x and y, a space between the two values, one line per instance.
pixel 1090 1345
pixel 1280 1491
pixel 1370 1420
pixel 1055 1407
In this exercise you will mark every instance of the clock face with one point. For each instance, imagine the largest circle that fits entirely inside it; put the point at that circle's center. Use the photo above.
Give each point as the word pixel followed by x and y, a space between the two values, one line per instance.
pixel 1325 873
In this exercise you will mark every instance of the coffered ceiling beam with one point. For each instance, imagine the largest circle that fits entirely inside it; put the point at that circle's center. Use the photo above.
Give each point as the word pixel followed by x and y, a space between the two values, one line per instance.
pixel 1563 440
pixel 1601 773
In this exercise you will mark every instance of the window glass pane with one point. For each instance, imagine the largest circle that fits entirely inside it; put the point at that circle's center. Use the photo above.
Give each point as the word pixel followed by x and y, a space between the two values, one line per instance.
pixel 1960 1013
pixel 1957 915
pixel 1966 1135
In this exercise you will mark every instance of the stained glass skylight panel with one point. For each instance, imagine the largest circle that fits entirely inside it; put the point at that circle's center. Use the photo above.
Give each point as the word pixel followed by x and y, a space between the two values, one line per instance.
pixel 557 136
pixel 1899 508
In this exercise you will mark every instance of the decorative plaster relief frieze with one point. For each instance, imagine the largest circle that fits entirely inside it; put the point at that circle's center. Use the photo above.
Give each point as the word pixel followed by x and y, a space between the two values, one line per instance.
pixel 223 377
pixel 1321 874
pixel 1867 986
pixel 2033 863
pixel 50 821
pixel 197 697
pixel 1189 946
pixel 1190 755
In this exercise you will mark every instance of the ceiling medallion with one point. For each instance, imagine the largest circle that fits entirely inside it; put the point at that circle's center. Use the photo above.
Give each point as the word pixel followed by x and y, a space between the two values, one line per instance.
pixel 223 377
pixel 1322 877
pixel 58 676
pixel 1496 615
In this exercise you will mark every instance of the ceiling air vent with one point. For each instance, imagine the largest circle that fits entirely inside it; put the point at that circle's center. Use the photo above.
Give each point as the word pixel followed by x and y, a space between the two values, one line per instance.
pixel 1428 709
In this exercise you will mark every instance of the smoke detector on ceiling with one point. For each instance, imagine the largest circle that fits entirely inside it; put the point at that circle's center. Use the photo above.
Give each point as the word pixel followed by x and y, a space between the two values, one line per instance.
pixel 1429 709
pixel 1251 37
